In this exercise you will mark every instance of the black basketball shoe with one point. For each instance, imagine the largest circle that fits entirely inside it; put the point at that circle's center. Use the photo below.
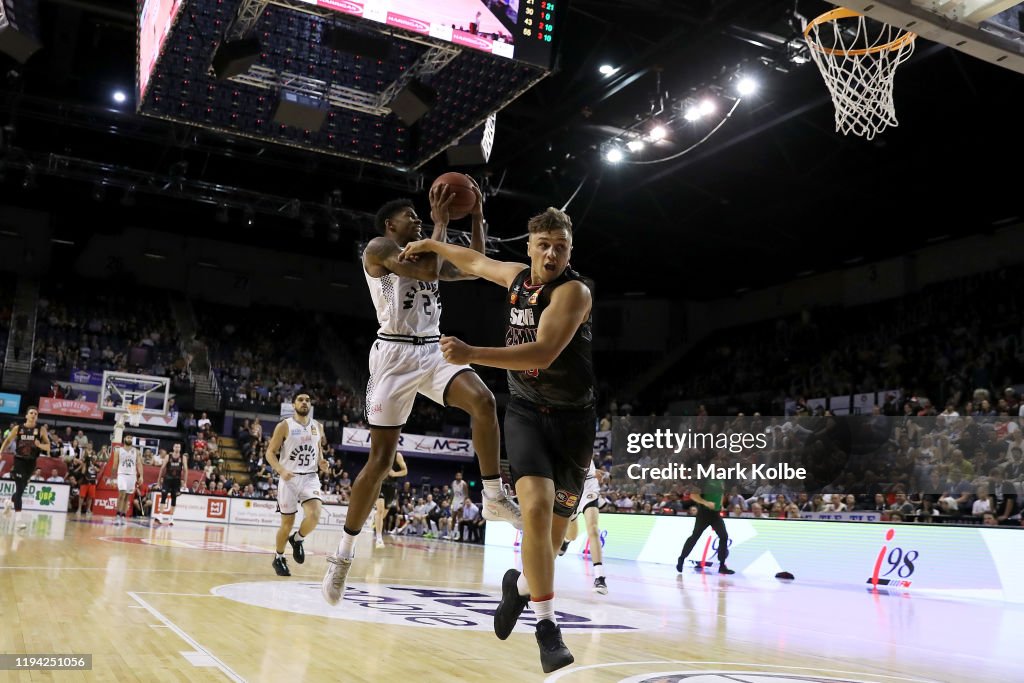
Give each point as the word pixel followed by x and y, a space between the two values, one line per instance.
pixel 553 652
pixel 297 551
pixel 281 566
pixel 511 606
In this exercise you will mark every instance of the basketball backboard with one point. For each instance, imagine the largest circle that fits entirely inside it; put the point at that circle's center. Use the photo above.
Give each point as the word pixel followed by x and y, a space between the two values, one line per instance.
pixel 991 30
pixel 121 389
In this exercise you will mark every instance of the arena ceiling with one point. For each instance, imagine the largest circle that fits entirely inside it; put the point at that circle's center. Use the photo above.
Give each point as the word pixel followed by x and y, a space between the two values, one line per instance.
pixel 773 195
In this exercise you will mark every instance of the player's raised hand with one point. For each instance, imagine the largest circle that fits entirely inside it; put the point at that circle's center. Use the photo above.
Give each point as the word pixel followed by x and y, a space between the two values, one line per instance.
pixel 478 208
pixel 441 197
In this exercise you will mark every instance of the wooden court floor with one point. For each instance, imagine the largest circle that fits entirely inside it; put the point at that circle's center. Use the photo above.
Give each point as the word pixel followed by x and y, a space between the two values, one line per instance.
pixel 197 602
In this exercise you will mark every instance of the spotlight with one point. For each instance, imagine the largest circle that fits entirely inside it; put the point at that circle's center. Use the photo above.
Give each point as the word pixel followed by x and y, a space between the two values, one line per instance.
pixel 692 113
pixel 746 86
pixel 657 133
pixel 706 106
pixel 613 155
pixel 635 145
pixel 607 69
pixel 120 97
pixel 249 216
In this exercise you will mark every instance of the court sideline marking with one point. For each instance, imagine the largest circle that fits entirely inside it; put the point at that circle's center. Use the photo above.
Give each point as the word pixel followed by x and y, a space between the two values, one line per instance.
pixel 225 669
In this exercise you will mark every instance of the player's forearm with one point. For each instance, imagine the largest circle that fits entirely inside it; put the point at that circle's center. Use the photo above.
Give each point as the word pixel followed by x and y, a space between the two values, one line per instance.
pixel 529 356
pixel 476 238
pixel 273 461
pixel 440 232
pixel 462 258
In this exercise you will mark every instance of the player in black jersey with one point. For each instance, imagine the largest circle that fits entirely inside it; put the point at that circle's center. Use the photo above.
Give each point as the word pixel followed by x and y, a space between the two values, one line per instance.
pixel 388 495
pixel 550 422
pixel 174 469
pixel 30 439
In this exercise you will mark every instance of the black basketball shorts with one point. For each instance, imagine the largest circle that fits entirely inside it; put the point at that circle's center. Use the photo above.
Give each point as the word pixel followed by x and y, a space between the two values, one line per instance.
pixel 557 444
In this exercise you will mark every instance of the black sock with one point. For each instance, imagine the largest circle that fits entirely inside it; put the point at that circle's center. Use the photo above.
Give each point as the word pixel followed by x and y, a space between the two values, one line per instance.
pixel 350 532
pixel 493 476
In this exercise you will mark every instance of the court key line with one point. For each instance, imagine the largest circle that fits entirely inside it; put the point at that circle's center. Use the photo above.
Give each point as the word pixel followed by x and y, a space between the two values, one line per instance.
pixel 224 668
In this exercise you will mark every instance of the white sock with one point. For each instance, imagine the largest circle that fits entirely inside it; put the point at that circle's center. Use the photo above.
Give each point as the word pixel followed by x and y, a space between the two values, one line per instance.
pixel 280 555
pixel 299 538
pixel 544 609
pixel 599 570
pixel 492 487
pixel 522 586
pixel 347 547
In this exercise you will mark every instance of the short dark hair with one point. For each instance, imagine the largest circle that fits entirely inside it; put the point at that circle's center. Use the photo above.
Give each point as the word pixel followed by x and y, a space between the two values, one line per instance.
pixel 388 211
pixel 551 219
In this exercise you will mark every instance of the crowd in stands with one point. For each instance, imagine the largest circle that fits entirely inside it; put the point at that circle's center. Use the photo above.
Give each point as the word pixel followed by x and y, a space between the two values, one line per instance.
pixel 262 361
pixel 80 329
pixel 941 342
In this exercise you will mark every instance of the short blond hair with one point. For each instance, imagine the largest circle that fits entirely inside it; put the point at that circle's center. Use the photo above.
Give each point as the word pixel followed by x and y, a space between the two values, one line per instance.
pixel 551 219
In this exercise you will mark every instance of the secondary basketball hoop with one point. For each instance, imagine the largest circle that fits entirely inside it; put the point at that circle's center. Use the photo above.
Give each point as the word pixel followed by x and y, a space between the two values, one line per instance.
pixel 857 57
pixel 134 414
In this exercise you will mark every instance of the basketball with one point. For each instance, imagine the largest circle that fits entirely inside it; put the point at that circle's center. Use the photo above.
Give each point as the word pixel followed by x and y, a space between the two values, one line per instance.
pixel 464 198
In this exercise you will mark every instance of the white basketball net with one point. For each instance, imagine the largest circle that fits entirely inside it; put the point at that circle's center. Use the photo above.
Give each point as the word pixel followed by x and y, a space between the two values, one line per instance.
pixel 858 59
pixel 135 415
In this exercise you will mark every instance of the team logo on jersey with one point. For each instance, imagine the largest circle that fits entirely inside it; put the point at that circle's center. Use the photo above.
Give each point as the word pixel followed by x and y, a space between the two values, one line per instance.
pixel 535 295
pixel 521 317
pixel 424 606
pixel 513 298
pixel 566 499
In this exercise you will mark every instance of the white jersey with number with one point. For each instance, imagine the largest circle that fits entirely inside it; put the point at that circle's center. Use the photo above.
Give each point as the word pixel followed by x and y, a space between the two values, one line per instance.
pixel 300 453
pixel 127 462
pixel 405 306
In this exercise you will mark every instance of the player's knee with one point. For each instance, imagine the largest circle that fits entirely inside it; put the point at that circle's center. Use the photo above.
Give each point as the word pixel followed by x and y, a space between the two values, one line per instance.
pixel 535 508
pixel 379 463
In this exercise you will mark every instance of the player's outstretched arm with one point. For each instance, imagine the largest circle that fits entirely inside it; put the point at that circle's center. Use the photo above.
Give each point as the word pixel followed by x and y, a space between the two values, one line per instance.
pixel 384 253
pixel 466 260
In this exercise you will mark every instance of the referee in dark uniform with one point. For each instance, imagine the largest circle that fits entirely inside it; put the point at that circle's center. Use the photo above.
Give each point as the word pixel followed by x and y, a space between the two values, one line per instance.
pixel 30 440
pixel 709 511
pixel 550 422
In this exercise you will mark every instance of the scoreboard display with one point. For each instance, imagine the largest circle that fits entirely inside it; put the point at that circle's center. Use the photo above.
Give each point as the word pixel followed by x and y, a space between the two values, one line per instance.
pixel 523 30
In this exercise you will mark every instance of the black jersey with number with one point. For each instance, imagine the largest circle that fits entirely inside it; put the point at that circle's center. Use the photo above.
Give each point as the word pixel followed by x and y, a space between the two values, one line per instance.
pixel 569 381
pixel 25 447
pixel 173 468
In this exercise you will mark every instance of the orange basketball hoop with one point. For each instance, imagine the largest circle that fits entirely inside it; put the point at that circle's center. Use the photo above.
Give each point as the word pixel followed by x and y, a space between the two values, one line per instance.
pixel 134 414
pixel 858 57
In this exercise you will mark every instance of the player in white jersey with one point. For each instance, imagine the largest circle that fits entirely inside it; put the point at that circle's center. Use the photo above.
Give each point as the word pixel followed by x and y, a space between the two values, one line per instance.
pixel 588 507
pixel 296 452
pixel 128 465
pixel 406 359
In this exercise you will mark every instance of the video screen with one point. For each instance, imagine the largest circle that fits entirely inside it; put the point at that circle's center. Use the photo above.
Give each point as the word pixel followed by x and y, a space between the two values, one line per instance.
pixel 155 21
pixel 515 29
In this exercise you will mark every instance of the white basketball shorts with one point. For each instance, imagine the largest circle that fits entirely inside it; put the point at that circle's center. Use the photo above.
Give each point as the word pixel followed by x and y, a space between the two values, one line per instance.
pixel 296 491
pixel 591 492
pixel 125 483
pixel 398 371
